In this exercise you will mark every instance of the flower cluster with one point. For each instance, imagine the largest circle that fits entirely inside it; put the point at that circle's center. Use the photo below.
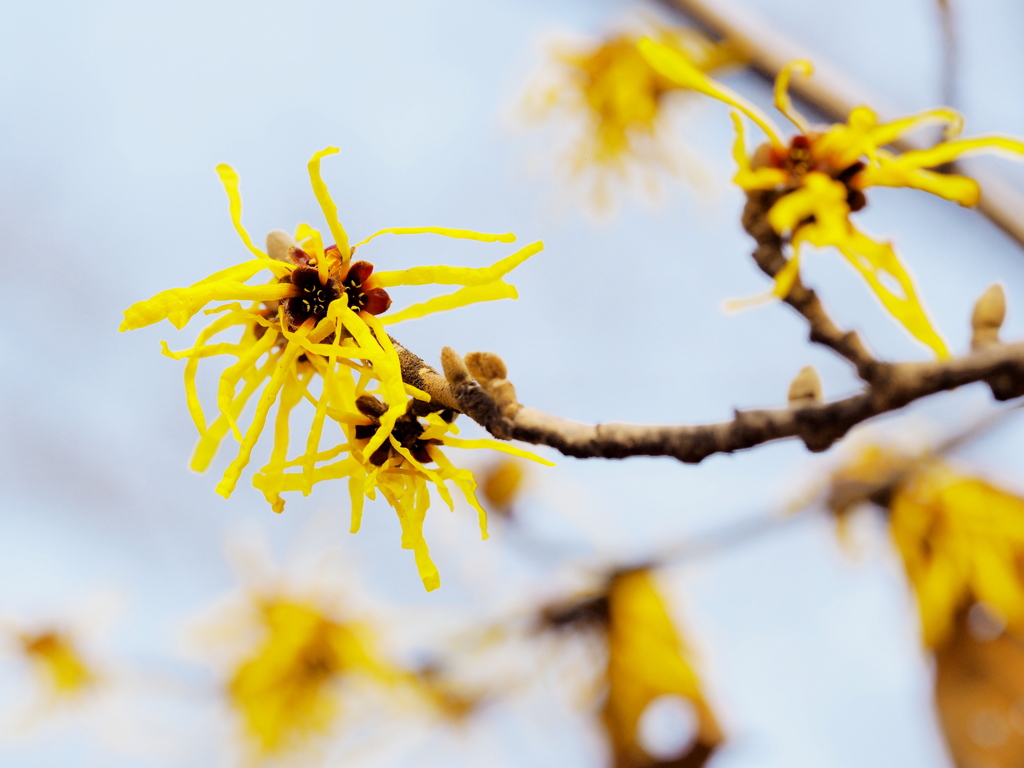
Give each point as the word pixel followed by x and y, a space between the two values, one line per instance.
pixel 285 691
pixel 646 659
pixel 961 539
pixel 817 180
pixel 620 100
pixel 312 334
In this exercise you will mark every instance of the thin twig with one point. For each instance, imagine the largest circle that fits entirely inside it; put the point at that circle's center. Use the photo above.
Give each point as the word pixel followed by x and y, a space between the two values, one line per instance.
pixel 833 94
pixel 486 400
pixel 949 51
pixel 805 301
pixel 753 528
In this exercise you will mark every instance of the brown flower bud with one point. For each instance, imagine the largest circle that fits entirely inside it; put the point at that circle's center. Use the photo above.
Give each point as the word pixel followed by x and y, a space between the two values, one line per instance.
pixel 805 388
pixel 278 243
pixel 987 318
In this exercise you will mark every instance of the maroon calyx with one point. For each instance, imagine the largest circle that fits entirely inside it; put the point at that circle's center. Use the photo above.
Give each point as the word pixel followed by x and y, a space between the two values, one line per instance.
pixel 361 296
pixel 407 431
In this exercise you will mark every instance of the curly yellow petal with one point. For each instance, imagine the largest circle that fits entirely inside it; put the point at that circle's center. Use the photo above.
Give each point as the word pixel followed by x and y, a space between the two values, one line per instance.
pixel 675 66
pixel 467 276
pixel 210 441
pixel 179 305
pixel 496 445
pixel 886 133
pixel 388 369
pixel 782 101
pixel 465 481
pixel 875 260
pixel 327 205
pixel 291 395
pixel 229 178
pixel 461 234
pixel 820 197
pixel 788 275
pixel 958 189
pixel 747 178
pixel 459 298
pixel 284 366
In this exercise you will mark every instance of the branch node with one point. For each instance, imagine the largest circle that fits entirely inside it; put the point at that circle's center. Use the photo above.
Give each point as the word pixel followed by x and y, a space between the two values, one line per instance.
pixel 491 372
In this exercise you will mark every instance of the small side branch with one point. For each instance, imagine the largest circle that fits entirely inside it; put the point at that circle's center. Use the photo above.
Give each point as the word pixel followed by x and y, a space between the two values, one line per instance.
pixel 805 301
pixel 489 400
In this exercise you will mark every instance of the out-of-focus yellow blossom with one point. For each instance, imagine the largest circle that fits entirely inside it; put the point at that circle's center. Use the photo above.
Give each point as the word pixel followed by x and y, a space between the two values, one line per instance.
pixel 818 179
pixel 646 659
pixel 621 99
pixel 312 333
pixel 502 484
pixel 961 539
pixel 286 690
pixel 58 662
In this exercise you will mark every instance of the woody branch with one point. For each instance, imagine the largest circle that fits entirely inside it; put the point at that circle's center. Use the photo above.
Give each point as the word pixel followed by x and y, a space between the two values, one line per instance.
pixel 478 385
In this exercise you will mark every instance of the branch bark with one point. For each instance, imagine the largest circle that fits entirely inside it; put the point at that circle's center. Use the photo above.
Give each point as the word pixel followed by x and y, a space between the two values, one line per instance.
pixel 770 258
pixel 817 425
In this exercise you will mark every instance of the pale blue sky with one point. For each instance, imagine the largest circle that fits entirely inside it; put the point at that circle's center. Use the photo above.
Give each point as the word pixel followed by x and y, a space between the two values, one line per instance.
pixel 115 114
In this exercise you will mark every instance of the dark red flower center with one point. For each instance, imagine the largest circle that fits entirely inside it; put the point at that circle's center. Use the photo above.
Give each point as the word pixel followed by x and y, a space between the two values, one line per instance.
pixel 798 161
pixel 313 298
pixel 408 431
pixel 360 295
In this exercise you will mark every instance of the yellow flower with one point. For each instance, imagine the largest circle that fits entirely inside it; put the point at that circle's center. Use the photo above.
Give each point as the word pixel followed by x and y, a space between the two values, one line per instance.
pixel 962 541
pixel 312 333
pixel 621 98
pixel 646 660
pixel 502 485
pixel 398 469
pixel 58 662
pixel 286 690
pixel 818 179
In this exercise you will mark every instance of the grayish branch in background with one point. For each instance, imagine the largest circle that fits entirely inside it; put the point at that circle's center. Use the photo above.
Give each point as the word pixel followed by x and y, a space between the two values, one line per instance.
pixel 950 51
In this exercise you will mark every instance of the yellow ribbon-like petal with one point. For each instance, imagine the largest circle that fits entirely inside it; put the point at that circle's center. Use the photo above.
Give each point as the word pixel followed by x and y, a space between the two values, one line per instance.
pixel 467 276
pixel 747 178
pixel 675 66
pixel 496 445
pixel 461 234
pixel 327 205
pixel 229 178
pixel 782 101
pixel 179 305
pixel 282 370
pixel 959 189
pixel 460 298
pixel 877 260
